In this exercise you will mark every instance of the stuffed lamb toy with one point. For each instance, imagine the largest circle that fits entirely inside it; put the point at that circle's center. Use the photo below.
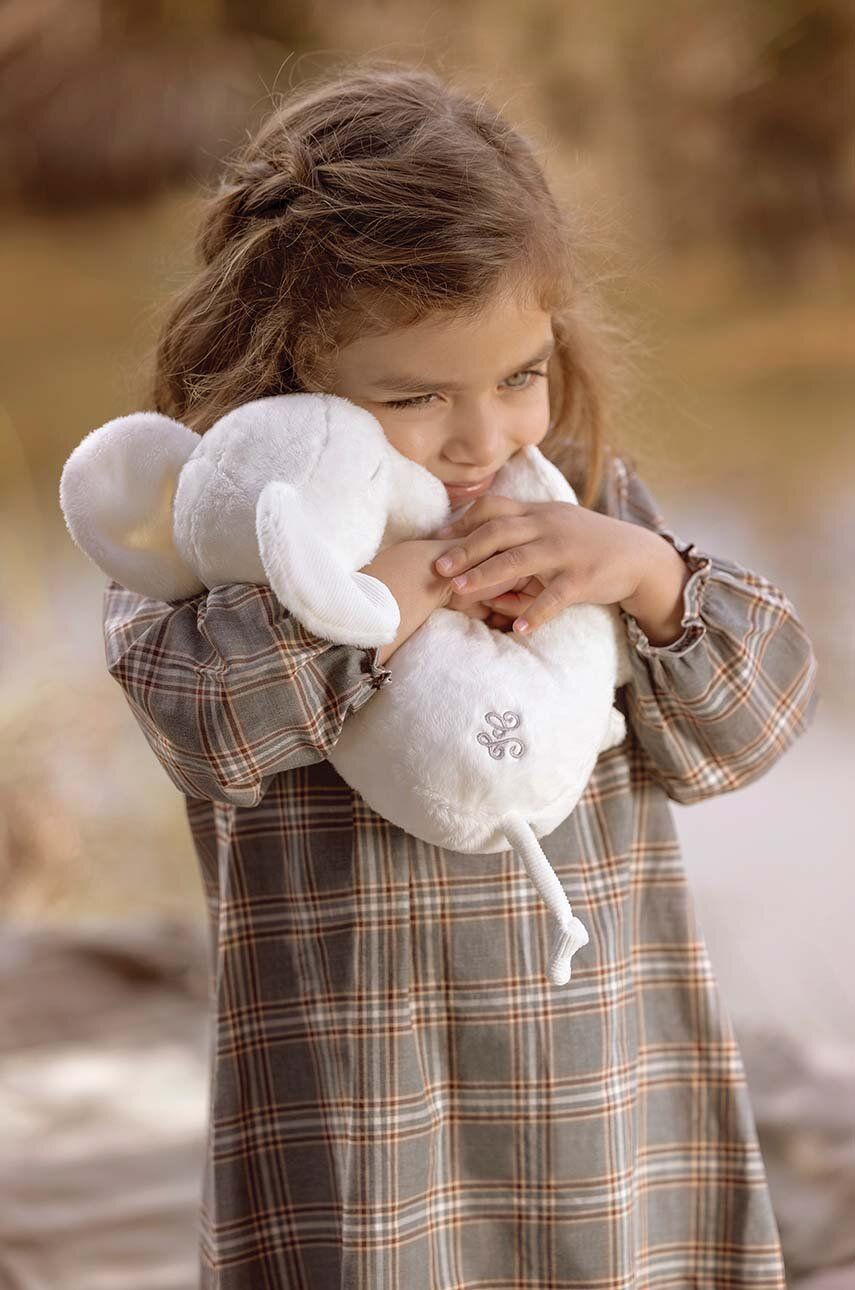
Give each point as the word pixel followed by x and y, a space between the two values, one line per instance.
pixel 485 740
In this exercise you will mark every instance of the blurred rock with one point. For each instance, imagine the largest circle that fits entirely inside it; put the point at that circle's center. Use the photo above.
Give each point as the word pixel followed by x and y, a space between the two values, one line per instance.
pixel 803 1096
pixel 103 1078
pixel 103 1105
pixel 789 133
pixel 98 108
pixel 842 1278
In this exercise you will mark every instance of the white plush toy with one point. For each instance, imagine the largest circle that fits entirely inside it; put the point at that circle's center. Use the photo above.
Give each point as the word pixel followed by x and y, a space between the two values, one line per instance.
pixel 485 740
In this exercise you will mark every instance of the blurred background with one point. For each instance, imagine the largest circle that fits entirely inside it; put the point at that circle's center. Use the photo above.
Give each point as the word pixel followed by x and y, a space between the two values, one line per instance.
pixel 711 143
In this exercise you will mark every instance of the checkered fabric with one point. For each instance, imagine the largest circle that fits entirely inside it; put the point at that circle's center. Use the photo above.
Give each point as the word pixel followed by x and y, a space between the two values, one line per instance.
pixel 399 1099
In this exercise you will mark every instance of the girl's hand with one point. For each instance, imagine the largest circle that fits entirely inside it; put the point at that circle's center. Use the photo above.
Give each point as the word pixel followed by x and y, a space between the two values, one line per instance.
pixel 540 557
pixel 499 611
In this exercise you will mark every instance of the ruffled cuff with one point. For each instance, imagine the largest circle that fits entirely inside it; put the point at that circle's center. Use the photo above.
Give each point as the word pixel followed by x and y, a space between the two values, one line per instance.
pixel 380 674
pixel 694 627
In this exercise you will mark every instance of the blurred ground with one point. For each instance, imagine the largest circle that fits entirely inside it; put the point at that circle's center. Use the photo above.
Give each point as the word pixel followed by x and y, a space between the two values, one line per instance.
pixel 103 1073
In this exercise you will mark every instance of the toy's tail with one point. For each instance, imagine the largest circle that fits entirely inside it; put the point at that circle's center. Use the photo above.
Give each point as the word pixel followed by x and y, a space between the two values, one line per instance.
pixel 572 934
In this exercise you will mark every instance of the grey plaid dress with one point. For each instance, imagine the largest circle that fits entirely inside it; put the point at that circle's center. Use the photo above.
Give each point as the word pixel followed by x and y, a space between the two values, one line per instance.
pixel 398 1096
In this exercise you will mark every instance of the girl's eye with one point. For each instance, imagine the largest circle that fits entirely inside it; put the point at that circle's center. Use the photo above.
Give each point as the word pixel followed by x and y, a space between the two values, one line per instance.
pixel 422 399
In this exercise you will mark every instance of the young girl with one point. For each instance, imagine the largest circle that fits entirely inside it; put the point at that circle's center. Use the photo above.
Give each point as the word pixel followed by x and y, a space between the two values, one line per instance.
pixel 398 1097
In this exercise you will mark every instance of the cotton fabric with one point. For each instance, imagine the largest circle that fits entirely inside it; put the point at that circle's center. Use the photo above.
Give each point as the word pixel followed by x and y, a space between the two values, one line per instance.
pixel 398 1096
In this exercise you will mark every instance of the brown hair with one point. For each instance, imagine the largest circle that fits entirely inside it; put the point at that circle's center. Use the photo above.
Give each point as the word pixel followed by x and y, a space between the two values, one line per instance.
pixel 374 195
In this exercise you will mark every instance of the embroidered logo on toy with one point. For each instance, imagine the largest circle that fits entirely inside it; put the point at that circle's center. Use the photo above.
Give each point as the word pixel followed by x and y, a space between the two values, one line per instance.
pixel 501 725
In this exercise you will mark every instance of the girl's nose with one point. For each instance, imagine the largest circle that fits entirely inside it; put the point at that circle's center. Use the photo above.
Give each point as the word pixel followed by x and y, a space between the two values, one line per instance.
pixel 477 440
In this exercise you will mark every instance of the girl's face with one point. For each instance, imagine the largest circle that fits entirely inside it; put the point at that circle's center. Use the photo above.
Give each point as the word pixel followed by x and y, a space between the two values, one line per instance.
pixel 458 397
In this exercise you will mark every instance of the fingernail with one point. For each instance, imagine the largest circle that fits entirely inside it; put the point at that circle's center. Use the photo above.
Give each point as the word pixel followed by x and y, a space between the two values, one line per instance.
pixel 459 581
pixel 520 625
pixel 444 563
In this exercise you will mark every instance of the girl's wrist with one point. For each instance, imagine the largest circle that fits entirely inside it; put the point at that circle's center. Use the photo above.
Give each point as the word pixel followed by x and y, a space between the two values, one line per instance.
pixel 657 602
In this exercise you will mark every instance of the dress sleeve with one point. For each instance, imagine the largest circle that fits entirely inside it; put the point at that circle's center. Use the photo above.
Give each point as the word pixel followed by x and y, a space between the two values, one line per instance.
pixel 229 689
pixel 714 709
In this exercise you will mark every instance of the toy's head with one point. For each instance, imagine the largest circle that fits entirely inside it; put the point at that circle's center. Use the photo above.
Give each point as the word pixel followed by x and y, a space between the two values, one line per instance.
pixel 300 491
pixel 297 491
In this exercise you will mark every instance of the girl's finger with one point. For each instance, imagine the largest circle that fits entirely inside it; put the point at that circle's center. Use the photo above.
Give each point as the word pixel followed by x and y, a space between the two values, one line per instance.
pixel 497 572
pixel 484 508
pixel 490 540
pixel 511 602
pixel 473 608
pixel 557 595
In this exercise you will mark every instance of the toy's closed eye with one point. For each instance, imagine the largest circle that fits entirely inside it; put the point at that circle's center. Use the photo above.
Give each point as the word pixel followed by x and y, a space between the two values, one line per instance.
pixel 377 471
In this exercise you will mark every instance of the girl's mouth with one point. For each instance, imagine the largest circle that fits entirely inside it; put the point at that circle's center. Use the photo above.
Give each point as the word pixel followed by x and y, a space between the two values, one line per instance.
pixel 472 490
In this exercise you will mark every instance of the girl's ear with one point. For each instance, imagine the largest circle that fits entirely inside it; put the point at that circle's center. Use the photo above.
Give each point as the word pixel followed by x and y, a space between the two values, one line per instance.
pixel 116 493
pixel 342 605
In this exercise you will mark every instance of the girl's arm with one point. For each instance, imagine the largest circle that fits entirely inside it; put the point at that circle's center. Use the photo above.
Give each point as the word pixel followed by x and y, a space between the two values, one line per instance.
pixel 229 689
pixel 719 705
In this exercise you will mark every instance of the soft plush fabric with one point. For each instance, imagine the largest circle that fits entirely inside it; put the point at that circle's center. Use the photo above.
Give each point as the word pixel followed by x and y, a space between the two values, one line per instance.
pixel 486 740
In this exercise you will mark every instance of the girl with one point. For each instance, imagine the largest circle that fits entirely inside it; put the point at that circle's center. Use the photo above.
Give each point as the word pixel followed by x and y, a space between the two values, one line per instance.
pixel 398 1097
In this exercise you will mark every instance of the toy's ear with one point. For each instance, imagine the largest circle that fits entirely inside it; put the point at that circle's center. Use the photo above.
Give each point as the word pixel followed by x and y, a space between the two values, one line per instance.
pixel 343 605
pixel 531 476
pixel 116 493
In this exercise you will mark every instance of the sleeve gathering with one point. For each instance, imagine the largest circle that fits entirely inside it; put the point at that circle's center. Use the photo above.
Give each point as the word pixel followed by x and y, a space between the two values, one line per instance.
pixel 229 689
pixel 716 708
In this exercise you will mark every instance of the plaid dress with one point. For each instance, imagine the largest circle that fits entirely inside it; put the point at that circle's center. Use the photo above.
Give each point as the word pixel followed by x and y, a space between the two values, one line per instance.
pixel 398 1096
